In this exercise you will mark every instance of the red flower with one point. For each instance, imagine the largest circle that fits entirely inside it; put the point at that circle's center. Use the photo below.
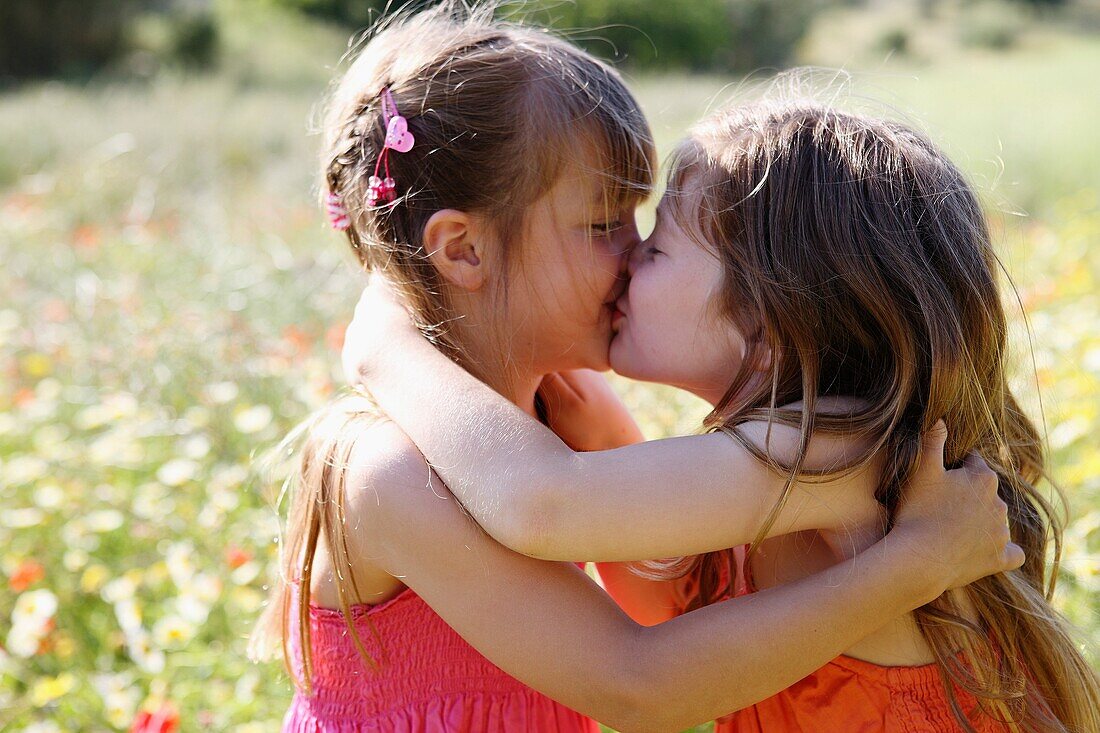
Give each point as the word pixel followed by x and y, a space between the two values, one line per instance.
pixel 235 557
pixel 165 719
pixel 334 337
pixel 297 339
pixel 86 237
pixel 27 574
pixel 23 397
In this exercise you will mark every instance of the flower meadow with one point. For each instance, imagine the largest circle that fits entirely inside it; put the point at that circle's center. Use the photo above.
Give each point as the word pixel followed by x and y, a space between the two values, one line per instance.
pixel 171 305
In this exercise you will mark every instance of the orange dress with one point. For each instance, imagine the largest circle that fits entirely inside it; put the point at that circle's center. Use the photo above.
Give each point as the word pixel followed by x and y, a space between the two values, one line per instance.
pixel 849 695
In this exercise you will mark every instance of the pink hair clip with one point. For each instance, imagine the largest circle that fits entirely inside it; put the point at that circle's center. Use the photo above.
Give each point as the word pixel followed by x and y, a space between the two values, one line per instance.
pixel 384 190
pixel 337 214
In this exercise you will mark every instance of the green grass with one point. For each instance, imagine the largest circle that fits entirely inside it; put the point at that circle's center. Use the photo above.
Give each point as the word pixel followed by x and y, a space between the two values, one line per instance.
pixel 171 299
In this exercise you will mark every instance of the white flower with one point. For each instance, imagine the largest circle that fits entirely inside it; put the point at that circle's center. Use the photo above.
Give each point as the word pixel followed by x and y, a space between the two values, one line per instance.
pixel 179 562
pixel 245 689
pixel 92 417
pixel 177 472
pixel 153 500
pixel 107 684
pixel 128 613
pixel 197 417
pixel 42 726
pixel 120 697
pixel 171 632
pixel 103 520
pixel 246 573
pixel 120 405
pixel 25 469
pixel 9 320
pixel 74 560
pixel 47 436
pixel 120 589
pixel 35 606
pixel 207 587
pixel 30 622
pixel 1068 432
pixel 227 479
pixel 117 447
pixel 145 655
pixel 253 420
pixel 22 642
pixel 192 609
pixel 49 496
pixel 48 389
pixel 75 534
pixel 22 518
pixel 196 447
pixel 222 392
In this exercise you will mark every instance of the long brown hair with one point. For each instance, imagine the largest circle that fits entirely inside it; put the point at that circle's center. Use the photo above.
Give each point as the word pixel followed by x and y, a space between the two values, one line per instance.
pixel 498 111
pixel 857 253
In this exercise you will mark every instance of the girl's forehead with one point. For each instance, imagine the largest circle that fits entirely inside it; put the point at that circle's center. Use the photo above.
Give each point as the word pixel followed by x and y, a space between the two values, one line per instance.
pixel 583 187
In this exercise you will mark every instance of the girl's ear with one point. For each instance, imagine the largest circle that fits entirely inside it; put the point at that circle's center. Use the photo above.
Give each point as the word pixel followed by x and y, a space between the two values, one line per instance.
pixel 452 244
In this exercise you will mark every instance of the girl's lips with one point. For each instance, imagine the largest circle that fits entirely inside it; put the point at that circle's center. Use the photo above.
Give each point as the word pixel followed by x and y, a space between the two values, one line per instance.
pixel 620 306
pixel 616 316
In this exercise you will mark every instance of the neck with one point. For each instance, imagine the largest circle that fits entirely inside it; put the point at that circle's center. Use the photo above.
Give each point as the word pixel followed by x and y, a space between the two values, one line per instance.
pixel 507 377
pixel 518 389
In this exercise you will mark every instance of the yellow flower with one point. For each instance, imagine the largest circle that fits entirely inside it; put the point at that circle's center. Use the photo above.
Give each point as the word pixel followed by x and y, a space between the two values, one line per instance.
pixel 93 578
pixel 36 365
pixel 64 646
pixel 50 688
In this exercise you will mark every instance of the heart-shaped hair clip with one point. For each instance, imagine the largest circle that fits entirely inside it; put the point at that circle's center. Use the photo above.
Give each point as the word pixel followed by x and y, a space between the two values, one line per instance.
pixel 382 190
pixel 398 136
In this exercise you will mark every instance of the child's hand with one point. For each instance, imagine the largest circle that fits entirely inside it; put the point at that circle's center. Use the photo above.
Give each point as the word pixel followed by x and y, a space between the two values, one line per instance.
pixel 957 523
pixel 379 318
pixel 586 413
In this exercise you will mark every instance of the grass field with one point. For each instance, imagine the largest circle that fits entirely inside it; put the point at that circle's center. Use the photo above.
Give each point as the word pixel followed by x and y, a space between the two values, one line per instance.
pixel 172 304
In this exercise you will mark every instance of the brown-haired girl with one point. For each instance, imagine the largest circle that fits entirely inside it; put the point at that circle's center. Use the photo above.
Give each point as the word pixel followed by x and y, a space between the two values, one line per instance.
pixel 815 275
pixel 492 172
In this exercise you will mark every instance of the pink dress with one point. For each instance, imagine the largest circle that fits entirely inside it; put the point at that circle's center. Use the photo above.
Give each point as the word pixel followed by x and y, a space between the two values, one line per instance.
pixel 429 679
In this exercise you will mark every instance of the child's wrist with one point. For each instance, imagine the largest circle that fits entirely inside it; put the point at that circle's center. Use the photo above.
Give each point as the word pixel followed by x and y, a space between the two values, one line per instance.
pixel 911 561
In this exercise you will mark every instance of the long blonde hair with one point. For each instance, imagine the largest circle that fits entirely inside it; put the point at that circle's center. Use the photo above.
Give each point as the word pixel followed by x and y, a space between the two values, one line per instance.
pixel 497 110
pixel 858 254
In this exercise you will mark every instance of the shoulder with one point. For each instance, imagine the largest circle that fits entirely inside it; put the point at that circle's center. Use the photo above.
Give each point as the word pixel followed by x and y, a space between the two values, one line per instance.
pixel 384 465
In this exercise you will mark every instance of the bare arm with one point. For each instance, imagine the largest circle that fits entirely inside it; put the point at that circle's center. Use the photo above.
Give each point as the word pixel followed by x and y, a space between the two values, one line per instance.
pixel 551 627
pixel 533 493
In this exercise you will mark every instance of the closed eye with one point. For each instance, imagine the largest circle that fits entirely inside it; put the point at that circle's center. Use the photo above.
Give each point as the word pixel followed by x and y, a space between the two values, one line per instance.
pixel 608 227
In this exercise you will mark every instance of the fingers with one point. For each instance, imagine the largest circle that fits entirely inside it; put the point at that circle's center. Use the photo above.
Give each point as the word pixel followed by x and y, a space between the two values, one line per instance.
pixel 932 445
pixel 555 386
pixel 1014 556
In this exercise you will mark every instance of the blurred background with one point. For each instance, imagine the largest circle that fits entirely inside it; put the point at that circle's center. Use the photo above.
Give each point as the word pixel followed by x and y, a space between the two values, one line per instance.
pixel 171 302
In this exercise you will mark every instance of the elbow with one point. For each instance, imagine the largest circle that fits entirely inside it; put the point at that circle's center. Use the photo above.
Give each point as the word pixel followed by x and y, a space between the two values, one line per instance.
pixel 636 700
pixel 626 706
pixel 536 522
pixel 641 710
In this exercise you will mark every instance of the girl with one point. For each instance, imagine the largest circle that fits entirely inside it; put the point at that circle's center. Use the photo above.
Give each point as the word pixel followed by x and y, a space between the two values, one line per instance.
pixel 810 271
pixel 463 157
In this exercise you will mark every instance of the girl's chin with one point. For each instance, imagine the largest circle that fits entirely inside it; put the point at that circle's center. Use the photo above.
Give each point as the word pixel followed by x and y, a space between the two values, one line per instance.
pixel 619 359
